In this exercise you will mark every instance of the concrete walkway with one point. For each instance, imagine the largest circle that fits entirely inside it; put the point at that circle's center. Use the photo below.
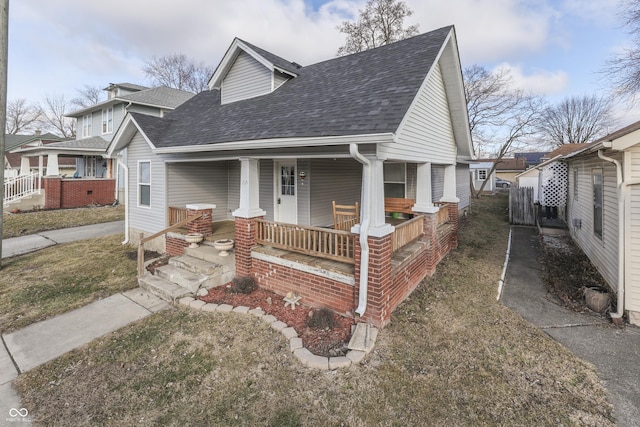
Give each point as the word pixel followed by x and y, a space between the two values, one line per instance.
pixel 41 342
pixel 33 242
pixel 614 352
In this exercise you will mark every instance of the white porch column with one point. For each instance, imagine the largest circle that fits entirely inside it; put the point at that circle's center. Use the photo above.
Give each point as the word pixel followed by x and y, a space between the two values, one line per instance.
pixel 449 194
pixel 424 202
pixel 52 165
pixel 249 189
pixel 40 165
pixel 372 203
pixel 25 165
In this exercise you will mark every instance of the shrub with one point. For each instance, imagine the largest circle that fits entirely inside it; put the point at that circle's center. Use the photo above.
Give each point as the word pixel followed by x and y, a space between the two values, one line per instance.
pixel 322 319
pixel 243 285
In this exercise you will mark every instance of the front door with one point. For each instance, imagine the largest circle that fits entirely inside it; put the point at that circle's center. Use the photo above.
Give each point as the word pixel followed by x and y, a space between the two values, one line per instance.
pixel 286 192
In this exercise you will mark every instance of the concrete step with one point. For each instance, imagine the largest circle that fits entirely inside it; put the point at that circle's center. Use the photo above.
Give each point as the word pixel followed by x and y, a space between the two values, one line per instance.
pixel 187 279
pixel 208 253
pixel 195 265
pixel 162 288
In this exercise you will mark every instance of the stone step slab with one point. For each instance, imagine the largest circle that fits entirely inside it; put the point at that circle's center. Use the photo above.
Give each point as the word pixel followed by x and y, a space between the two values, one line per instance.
pixel 195 265
pixel 162 288
pixel 184 278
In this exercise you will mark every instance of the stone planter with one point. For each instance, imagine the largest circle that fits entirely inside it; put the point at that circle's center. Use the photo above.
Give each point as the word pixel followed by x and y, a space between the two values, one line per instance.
pixel 597 299
pixel 223 246
pixel 193 239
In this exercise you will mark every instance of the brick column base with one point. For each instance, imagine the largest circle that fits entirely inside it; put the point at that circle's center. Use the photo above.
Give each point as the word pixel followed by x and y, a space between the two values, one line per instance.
pixel 203 224
pixel 379 283
pixel 245 240
pixel 52 192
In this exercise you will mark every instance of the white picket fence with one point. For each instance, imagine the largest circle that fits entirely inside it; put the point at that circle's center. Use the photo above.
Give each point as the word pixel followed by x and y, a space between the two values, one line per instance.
pixel 21 186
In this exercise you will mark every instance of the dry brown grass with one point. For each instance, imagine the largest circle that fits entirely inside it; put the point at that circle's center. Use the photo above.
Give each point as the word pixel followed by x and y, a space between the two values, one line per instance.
pixel 451 356
pixel 51 281
pixel 33 222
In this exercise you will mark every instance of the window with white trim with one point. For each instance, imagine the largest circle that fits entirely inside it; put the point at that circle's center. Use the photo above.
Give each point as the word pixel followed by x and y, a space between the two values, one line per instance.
pixel 598 199
pixel 86 125
pixel 144 183
pixel 395 180
pixel 89 166
pixel 482 174
pixel 107 120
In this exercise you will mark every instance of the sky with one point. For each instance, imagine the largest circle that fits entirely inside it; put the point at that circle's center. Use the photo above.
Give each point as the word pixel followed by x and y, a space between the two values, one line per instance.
pixel 555 48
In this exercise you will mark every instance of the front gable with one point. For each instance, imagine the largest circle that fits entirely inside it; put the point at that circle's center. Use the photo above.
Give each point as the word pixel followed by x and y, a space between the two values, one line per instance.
pixel 246 72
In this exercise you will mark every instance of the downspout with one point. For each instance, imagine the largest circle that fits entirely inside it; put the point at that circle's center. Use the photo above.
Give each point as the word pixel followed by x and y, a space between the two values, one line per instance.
pixel 621 207
pixel 125 168
pixel 364 230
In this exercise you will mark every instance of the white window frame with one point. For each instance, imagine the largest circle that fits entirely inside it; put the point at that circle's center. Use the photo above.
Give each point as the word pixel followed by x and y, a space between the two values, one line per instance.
pixel 482 172
pixel 403 182
pixel 140 184
pixel 107 120
pixel 86 125
pixel 90 166
pixel 598 225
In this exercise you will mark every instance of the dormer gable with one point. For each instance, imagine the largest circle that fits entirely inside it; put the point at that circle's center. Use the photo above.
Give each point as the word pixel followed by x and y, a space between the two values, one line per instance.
pixel 115 90
pixel 247 71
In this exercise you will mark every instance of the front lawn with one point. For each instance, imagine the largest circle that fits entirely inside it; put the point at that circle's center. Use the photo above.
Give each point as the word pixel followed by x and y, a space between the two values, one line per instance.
pixel 451 356
pixel 60 278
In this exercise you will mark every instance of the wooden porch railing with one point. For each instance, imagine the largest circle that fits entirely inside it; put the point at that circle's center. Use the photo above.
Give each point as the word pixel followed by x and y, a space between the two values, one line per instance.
pixel 443 213
pixel 144 240
pixel 177 215
pixel 326 243
pixel 407 232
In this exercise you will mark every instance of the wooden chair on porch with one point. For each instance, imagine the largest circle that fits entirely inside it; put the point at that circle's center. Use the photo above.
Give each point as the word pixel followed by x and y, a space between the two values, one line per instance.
pixel 345 216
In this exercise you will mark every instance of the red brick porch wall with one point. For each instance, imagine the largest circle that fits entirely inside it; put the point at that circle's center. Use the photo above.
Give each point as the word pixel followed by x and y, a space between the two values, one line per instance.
pixel 387 287
pixel 175 246
pixel 75 193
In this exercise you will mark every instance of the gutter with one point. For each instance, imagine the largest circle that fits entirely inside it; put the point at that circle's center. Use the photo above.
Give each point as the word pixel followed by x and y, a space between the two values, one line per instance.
pixel 125 168
pixel 621 240
pixel 364 229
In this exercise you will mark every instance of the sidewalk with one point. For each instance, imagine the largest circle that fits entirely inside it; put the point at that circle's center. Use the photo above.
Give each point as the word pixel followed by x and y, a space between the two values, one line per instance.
pixel 41 342
pixel 33 242
pixel 614 352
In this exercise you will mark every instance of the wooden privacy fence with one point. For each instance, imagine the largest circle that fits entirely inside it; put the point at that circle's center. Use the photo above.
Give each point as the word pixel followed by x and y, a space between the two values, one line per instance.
pixel 327 243
pixel 522 206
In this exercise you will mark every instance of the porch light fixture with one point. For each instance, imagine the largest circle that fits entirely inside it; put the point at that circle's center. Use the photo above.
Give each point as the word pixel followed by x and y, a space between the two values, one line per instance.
pixel 302 176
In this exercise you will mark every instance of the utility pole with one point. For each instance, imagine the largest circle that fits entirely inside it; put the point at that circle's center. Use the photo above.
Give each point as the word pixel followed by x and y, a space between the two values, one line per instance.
pixel 4 49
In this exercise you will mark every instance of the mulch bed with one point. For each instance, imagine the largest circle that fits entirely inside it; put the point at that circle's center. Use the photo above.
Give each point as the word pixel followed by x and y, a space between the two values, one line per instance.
pixel 322 342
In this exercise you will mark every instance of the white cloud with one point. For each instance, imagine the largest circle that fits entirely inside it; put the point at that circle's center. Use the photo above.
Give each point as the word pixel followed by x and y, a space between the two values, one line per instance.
pixel 538 82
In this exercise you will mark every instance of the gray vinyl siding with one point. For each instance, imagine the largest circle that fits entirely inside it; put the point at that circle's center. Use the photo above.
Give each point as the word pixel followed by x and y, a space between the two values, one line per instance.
pixel 148 219
pixel 304 194
pixel 247 78
pixel 329 180
pixel 142 109
pixel 233 202
pixel 427 133
pixel 266 188
pixel 603 253
pixel 437 182
pixel 632 246
pixel 411 173
pixel 463 186
pixel 199 183
pixel 279 79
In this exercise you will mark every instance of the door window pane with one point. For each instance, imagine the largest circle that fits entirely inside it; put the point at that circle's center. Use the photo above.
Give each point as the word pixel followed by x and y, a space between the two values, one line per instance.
pixel 287 181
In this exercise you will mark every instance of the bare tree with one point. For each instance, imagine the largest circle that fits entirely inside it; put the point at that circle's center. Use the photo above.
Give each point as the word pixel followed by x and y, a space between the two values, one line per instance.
pixel 179 72
pixel 622 70
pixel 55 108
pixel 501 117
pixel 22 116
pixel 87 96
pixel 576 120
pixel 380 23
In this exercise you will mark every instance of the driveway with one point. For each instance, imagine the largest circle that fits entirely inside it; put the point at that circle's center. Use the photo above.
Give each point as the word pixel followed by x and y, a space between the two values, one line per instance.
pixel 615 352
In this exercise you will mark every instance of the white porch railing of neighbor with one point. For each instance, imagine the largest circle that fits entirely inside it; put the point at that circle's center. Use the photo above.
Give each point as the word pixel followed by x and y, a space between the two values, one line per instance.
pixel 20 186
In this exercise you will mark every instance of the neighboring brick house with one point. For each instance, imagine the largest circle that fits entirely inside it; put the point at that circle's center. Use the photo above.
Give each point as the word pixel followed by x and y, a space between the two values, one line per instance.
pixel 96 126
pixel 273 143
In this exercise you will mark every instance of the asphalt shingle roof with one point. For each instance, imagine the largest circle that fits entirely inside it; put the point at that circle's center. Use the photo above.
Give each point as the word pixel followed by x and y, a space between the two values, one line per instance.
pixel 275 59
pixel 162 96
pixel 93 142
pixel 364 93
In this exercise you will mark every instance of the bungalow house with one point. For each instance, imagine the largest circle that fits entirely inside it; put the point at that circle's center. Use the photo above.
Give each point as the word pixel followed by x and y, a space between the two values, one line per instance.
pixel 272 144
pixel 17 164
pixel 96 126
pixel 508 168
pixel 602 212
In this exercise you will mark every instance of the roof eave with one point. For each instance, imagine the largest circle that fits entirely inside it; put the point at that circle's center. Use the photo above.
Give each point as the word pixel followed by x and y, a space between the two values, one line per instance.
pixel 281 143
